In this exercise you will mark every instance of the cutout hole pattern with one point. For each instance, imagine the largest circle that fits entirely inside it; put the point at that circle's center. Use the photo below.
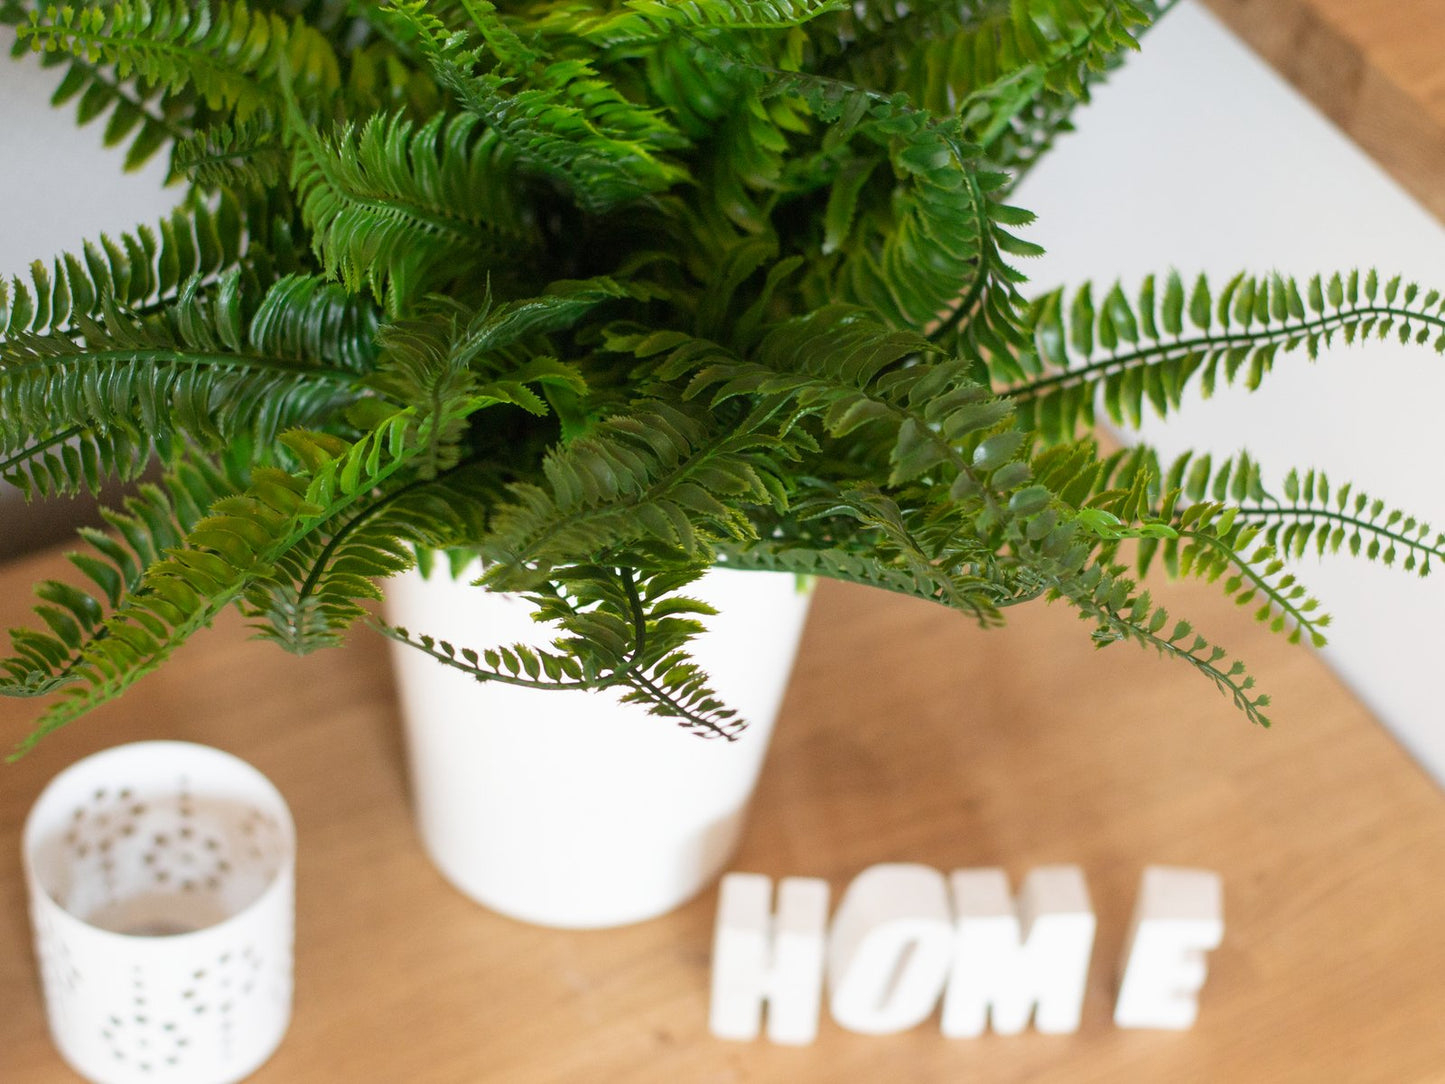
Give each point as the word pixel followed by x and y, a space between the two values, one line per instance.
pixel 184 995
pixel 126 853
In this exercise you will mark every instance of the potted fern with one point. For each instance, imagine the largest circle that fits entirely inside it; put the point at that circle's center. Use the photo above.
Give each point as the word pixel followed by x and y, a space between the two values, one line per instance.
pixel 592 298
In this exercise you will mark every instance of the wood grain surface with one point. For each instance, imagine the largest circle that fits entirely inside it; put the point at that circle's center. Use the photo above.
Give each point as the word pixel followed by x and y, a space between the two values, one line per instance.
pixel 907 735
pixel 1374 67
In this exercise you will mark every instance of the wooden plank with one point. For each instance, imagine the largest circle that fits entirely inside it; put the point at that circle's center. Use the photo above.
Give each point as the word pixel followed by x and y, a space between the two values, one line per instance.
pixel 908 735
pixel 1371 66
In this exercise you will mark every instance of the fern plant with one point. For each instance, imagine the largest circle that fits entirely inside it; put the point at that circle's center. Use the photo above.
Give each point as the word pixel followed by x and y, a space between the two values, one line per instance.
pixel 605 294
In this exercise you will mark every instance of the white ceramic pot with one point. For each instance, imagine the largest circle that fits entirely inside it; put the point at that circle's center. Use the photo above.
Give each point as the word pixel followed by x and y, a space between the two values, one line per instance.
pixel 572 809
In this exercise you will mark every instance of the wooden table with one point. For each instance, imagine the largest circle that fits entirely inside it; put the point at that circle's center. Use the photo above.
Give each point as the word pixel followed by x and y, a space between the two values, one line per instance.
pixel 1374 67
pixel 907 735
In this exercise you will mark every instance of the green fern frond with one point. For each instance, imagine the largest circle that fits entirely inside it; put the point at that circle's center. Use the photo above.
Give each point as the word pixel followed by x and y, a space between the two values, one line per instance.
pixel 642 23
pixel 481 16
pixel 716 102
pixel 986 61
pixel 766 555
pixel 246 154
pixel 1313 515
pixel 1310 515
pixel 1236 478
pixel 321 587
pixel 1125 352
pixel 967 580
pixel 1123 613
pixel 1209 543
pixel 152 521
pixel 76 460
pixel 942 566
pixel 964 487
pixel 657 477
pixel 558 308
pixel 427 363
pixel 232 57
pixel 140 118
pixel 933 251
pixel 434 360
pixel 238 544
pixel 875 387
pixel 140 270
pixel 1012 72
pixel 1040 46
pixel 1203 538
pixel 399 208
pixel 1226 526
pixel 618 630
pixel 515 664
pixel 577 131
pixel 569 126
pixel 198 368
pixel 305 318
pixel 1034 119
pixel 1050 555
pixel 123 303
pixel 1125 483
pixel 381 78
pixel 338 20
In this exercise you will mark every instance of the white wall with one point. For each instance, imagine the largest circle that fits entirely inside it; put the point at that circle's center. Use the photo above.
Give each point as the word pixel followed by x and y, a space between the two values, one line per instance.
pixel 63 189
pixel 1198 156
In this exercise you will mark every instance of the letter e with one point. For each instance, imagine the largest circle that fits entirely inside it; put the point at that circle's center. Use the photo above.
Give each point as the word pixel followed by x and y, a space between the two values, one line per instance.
pixel 1179 916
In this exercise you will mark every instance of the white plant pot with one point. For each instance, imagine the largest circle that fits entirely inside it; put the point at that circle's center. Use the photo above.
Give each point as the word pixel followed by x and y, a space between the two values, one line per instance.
pixel 571 809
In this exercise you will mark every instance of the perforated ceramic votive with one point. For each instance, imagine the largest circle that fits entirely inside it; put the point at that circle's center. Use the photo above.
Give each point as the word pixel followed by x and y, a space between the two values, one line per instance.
pixel 161 879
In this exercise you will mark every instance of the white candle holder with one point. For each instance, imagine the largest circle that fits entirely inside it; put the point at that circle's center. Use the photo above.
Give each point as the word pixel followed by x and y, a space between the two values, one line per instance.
pixel 161 882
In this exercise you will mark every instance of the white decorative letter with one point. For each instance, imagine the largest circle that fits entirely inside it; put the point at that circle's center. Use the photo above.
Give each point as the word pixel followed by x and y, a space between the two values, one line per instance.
pixel 1178 917
pixel 1008 959
pixel 889 950
pixel 758 957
